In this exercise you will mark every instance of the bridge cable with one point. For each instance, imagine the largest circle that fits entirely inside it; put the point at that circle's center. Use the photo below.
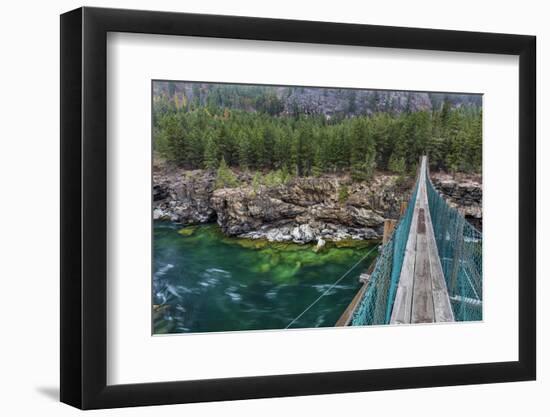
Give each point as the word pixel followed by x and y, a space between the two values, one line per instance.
pixel 332 286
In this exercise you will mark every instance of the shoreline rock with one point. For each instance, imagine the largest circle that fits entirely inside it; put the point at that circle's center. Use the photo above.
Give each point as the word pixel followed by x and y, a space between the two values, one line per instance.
pixel 304 210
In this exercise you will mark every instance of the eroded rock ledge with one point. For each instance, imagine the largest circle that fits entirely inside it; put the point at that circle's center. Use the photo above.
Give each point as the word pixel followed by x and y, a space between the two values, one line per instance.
pixel 302 210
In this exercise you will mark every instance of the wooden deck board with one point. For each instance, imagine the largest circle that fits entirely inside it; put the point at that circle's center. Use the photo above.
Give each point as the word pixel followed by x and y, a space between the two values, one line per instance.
pixel 423 303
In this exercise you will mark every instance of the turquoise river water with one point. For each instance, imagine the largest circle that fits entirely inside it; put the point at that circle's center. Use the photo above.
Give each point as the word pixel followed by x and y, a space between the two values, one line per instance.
pixel 204 281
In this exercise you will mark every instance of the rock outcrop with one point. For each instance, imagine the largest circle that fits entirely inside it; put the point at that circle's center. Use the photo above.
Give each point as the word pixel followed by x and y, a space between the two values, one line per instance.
pixel 302 210
pixel 463 192
pixel 329 208
pixel 183 196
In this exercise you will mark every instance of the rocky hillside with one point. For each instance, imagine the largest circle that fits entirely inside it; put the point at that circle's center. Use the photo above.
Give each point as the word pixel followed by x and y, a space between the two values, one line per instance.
pixel 303 210
pixel 281 100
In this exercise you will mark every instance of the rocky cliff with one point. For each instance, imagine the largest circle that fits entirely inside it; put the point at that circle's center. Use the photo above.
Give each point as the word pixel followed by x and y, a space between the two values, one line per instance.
pixel 307 209
pixel 309 100
pixel 463 192
pixel 302 210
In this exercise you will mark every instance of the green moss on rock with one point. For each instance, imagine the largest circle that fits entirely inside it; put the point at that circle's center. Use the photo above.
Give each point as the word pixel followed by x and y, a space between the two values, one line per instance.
pixel 188 231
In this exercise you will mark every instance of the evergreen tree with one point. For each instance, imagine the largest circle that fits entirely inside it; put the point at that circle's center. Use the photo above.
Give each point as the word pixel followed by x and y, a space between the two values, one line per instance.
pixel 397 164
pixel 210 154
pixel 363 152
pixel 225 177
pixel 244 151
pixel 317 168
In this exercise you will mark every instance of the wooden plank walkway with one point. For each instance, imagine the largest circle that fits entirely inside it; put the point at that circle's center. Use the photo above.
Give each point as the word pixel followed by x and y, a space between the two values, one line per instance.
pixel 421 294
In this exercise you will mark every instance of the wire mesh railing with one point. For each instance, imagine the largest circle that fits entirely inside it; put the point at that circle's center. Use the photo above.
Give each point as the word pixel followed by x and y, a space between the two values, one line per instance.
pixel 377 302
pixel 460 250
pixel 459 246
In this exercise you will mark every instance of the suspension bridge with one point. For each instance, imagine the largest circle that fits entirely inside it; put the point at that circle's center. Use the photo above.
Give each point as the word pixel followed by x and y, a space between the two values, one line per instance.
pixel 429 270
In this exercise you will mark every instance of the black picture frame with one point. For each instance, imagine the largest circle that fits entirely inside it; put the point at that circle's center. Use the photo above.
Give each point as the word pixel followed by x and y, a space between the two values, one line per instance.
pixel 84 207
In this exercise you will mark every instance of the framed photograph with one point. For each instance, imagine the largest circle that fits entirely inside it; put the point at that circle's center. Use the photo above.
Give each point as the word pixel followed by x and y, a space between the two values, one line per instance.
pixel 257 208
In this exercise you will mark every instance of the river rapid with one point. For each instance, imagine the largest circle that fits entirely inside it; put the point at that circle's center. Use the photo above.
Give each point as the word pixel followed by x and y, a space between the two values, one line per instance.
pixel 204 281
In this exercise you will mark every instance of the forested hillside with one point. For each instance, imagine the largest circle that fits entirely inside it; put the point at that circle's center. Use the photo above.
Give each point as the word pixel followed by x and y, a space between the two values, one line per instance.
pixel 278 129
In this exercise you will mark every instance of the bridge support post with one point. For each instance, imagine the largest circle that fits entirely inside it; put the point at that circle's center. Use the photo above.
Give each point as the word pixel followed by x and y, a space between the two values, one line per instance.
pixel 389 225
